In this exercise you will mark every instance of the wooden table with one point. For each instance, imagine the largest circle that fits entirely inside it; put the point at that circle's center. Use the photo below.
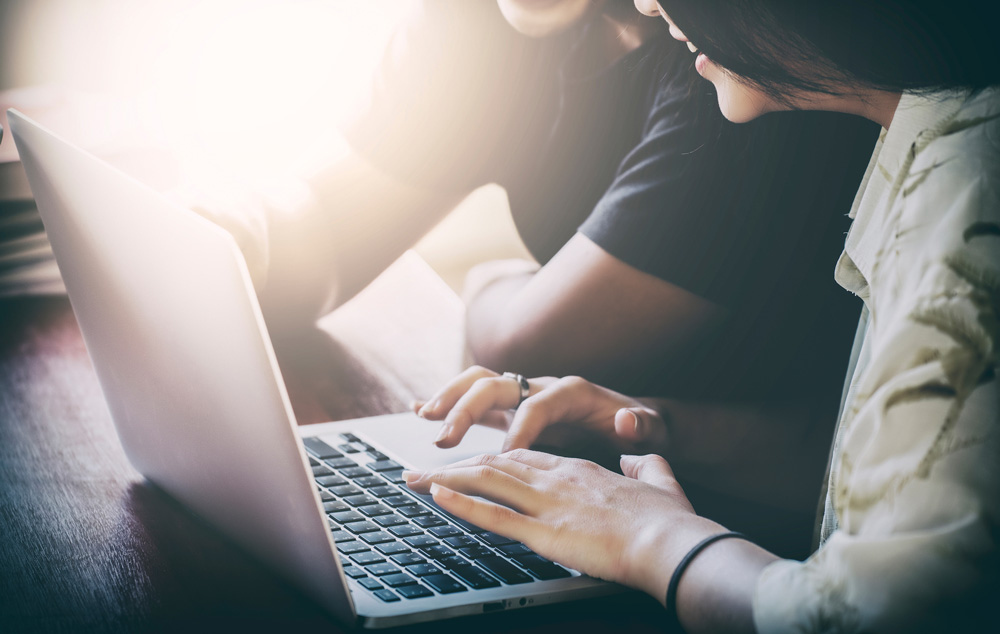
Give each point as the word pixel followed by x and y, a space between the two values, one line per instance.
pixel 87 545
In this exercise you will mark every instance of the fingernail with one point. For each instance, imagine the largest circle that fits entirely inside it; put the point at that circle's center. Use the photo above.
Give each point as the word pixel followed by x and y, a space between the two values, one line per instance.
pixel 428 408
pixel 635 423
pixel 441 493
pixel 411 476
pixel 445 430
pixel 416 406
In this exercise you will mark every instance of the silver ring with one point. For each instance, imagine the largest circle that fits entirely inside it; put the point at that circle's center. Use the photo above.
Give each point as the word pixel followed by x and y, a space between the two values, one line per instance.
pixel 522 385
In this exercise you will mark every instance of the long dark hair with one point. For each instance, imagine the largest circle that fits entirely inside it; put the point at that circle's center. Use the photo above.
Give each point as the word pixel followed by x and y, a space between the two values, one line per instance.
pixel 821 45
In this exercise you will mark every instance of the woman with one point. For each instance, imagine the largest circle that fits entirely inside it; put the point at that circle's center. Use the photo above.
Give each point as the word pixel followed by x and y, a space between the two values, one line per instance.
pixel 911 512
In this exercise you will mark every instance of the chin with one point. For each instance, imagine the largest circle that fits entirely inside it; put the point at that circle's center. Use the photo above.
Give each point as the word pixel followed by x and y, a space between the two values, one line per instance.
pixel 739 104
pixel 539 18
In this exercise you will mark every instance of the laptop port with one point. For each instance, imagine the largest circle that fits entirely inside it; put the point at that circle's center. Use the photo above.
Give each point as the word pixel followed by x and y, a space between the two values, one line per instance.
pixel 494 606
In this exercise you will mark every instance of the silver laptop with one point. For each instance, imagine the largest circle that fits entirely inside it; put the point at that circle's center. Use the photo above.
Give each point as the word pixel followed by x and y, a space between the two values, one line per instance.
pixel 171 322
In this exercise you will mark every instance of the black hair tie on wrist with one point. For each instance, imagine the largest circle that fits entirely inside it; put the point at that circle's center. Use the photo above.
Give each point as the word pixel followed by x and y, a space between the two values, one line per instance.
pixel 675 578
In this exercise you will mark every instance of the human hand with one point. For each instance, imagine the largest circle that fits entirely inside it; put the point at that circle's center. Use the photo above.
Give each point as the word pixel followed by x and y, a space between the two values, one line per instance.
pixel 631 529
pixel 554 408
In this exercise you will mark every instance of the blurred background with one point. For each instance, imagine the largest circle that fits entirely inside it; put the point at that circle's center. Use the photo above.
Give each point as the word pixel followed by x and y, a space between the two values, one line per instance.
pixel 203 93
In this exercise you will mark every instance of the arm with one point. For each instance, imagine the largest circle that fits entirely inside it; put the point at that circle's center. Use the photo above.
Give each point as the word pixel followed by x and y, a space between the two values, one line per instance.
pixel 356 221
pixel 587 313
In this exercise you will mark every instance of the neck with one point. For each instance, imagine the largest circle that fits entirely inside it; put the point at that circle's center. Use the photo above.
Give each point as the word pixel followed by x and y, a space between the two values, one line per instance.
pixel 879 106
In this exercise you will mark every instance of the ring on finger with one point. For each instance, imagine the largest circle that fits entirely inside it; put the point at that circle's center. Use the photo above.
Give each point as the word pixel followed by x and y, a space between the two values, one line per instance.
pixel 522 386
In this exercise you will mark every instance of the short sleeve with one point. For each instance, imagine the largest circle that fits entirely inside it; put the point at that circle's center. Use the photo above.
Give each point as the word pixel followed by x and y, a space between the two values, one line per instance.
pixel 732 212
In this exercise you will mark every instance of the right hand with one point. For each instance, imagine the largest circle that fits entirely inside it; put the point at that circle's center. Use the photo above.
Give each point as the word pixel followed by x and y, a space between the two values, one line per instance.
pixel 555 406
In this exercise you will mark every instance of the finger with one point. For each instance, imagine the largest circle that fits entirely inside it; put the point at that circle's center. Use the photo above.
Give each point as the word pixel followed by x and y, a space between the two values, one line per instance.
pixel 651 468
pixel 483 396
pixel 485 514
pixel 438 406
pixel 555 404
pixel 640 425
pixel 483 481
pixel 511 466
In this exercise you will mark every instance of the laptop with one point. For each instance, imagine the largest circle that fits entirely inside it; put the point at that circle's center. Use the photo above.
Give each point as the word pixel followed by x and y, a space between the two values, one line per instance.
pixel 171 322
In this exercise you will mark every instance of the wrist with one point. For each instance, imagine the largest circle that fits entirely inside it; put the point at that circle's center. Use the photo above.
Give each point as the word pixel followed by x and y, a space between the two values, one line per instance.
pixel 656 553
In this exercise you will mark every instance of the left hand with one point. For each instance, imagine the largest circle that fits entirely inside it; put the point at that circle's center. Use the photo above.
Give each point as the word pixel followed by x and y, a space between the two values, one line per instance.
pixel 556 410
pixel 631 529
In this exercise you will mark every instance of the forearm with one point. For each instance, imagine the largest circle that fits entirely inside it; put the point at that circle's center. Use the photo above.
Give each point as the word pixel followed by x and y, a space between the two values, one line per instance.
pixel 357 221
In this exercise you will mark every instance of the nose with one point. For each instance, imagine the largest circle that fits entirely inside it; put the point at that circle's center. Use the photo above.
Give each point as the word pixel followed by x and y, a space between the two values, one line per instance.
pixel 648 7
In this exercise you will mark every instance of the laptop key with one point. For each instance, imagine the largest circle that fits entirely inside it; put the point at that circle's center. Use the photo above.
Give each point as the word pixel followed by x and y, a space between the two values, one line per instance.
pixel 421 541
pixel 449 531
pixel 349 548
pixel 407 559
pixel 361 527
pixel 458 541
pixel 321 470
pixel 320 449
pixel 513 550
pixel 345 490
pixel 438 551
pixel 475 577
pixel 475 552
pixel 390 520
pixel 349 437
pixel 376 509
pixel 384 465
pixel 496 540
pixel 422 570
pixel 347 448
pixel 452 562
pixel 503 569
pixel 331 481
pixel 335 506
pixel 368 558
pixel 341 463
pixel 342 536
pixel 412 511
pixel 443 584
pixel 395 501
pixel 378 537
pixel 346 517
pixel 360 500
pixel 370 584
pixel 368 481
pixel 376 454
pixel 414 592
pixel 325 495
pixel 354 472
pixel 396 477
pixel 541 568
pixel 383 490
pixel 392 548
pixel 398 580
pixel 386 595
pixel 313 462
pixel 406 530
pixel 381 569
pixel 354 572
pixel 427 521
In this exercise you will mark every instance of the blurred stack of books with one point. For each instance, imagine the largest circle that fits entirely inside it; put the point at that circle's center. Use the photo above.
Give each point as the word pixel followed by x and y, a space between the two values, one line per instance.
pixel 27 266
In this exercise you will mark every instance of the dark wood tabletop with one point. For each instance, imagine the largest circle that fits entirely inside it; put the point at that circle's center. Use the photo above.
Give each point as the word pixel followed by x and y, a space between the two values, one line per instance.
pixel 86 545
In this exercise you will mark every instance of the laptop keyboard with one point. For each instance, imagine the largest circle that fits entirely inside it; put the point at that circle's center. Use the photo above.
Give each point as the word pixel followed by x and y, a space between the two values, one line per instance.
pixel 399 545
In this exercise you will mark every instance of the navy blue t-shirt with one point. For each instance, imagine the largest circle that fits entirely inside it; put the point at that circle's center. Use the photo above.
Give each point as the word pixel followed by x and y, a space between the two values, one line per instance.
pixel 638 158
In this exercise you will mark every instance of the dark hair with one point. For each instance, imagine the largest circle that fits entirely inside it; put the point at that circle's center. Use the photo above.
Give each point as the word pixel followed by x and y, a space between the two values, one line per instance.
pixel 818 45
